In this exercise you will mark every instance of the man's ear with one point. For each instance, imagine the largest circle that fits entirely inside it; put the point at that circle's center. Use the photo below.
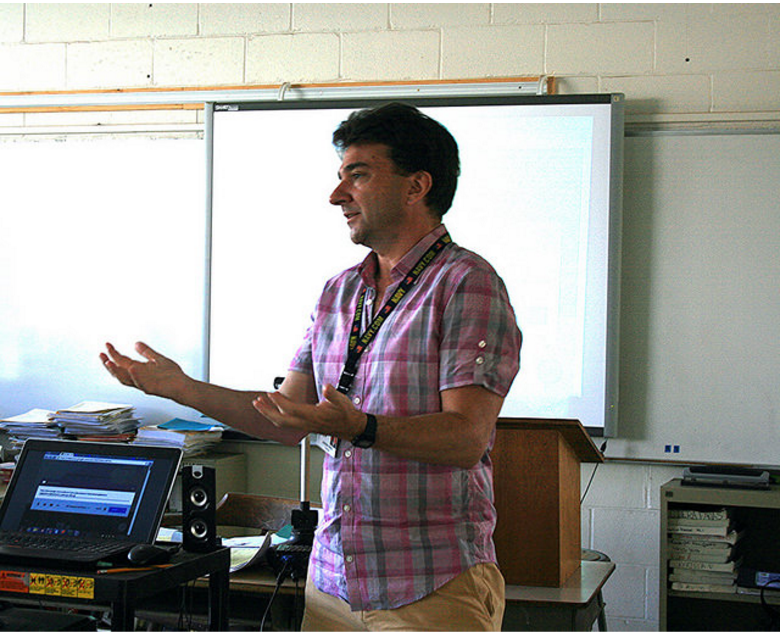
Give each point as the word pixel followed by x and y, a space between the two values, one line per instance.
pixel 420 184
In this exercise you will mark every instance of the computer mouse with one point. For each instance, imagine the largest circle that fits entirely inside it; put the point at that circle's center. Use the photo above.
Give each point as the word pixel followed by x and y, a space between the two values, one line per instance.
pixel 144 554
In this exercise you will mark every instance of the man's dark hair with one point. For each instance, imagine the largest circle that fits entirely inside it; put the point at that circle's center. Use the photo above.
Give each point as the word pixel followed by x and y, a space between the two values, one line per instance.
pixel 416 142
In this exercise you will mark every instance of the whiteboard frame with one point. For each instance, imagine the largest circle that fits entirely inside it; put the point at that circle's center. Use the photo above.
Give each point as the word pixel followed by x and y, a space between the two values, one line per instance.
pixel 369 97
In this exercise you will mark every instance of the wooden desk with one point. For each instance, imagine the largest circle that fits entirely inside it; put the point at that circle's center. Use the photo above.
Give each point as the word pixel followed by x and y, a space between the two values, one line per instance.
pixel 85 589
pixel 574 606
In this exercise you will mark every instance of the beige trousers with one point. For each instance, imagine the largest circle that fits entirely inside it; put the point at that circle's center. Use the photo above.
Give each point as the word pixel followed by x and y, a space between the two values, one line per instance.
pixel 474 600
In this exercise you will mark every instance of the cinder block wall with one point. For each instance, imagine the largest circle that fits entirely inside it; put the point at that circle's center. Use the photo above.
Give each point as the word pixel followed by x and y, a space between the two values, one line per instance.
pixel 674 62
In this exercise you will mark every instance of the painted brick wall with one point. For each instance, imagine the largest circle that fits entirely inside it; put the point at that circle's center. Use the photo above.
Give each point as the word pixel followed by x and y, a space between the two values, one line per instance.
pixel 673 62
pixel 667 58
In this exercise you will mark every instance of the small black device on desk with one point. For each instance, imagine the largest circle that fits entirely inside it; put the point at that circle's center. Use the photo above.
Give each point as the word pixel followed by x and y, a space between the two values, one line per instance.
pixel 726 476
pixel 146 554
pixel 291 558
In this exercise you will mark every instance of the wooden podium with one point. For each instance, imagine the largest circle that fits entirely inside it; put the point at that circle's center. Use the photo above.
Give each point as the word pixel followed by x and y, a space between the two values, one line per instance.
pixel 536 474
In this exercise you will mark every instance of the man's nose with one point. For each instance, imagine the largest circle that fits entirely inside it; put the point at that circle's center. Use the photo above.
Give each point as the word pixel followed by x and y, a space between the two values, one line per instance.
pixel 339 195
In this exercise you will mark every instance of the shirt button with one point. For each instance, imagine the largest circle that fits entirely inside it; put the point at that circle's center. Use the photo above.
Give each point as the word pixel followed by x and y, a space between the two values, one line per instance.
pixel 480 360
pixel 346 508
pixel 349 559
pixel 356 401
pixel 482 344
pixel 347 454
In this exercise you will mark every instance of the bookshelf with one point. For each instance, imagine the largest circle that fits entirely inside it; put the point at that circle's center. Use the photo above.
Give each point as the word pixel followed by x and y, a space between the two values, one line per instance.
pixel 755 516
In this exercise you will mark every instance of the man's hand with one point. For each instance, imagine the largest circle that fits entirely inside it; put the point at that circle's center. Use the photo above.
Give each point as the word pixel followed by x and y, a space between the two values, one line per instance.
pixel 335 415
pixel 157 376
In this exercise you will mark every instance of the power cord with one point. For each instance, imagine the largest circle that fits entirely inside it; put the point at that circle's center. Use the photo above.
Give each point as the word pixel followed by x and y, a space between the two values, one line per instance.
pixel 593 473
pixel 187 605
pixel 283 573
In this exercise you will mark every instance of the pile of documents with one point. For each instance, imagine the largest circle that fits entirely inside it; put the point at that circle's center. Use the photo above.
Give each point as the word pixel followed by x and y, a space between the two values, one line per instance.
pixel 193 437
pixel 34 423
pixel 101 421
pixel 97 421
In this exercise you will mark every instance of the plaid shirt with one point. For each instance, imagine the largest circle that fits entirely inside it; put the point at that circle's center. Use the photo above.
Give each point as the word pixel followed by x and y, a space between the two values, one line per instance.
pixel 393 529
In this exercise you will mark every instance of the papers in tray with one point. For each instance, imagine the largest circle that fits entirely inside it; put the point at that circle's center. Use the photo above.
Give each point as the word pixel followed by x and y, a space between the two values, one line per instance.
pixel 193 437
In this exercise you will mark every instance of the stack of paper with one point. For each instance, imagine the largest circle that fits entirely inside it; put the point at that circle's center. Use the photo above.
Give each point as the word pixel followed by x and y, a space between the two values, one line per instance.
pixel 98 421
pixel 33 423
pixel 194 437
pixel 703 551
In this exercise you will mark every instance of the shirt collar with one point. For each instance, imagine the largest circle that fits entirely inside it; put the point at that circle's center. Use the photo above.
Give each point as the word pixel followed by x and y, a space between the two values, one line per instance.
pixel 367 268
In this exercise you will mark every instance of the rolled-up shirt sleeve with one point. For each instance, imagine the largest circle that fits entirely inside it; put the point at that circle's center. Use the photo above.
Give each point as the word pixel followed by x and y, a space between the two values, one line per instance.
pixel 480 339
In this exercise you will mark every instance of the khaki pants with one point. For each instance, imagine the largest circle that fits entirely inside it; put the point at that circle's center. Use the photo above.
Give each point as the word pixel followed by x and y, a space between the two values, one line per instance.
pixel 474 600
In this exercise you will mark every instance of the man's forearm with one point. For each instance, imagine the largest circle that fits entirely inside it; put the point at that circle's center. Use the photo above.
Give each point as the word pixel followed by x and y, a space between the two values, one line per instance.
pixel 439 438
pixel 233 408
pixel 459 435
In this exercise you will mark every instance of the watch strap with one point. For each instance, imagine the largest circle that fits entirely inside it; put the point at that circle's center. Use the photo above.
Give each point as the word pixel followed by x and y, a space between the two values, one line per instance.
pixel 366 438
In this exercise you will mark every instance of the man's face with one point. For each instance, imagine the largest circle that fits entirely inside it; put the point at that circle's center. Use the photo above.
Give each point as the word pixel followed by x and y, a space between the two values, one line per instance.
pixel 371 193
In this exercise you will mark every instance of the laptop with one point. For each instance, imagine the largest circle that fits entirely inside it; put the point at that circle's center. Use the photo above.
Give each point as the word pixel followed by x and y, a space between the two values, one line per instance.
pixel 78 502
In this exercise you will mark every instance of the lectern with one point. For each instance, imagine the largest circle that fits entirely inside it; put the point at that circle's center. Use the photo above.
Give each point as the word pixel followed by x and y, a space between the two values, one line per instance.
pixel 536 474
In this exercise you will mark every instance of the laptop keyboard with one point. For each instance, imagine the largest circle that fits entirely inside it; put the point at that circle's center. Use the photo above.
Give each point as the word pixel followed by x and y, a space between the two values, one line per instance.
pixel 58 543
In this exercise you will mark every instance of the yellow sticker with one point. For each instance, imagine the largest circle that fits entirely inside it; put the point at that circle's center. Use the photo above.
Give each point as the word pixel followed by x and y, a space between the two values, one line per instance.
pixel 53 585
pixel 38 583
pixel 85 587
pixel 69 586
pixel 61 586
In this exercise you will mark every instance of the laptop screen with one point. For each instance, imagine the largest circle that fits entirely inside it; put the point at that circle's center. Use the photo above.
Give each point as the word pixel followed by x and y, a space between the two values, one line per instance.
pixel 90 490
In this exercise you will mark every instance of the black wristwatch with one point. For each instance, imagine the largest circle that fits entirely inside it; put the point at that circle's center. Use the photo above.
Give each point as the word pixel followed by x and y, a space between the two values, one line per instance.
pixel 366 438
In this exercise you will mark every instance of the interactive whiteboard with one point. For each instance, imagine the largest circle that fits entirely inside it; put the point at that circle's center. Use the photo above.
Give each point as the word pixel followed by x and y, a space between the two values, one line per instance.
pixel 539 197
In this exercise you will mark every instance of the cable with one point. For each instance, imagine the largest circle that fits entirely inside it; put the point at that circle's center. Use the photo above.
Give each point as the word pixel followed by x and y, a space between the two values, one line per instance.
pixel 296 601
pixel 774 614
pixel 186 605
pixel 279 579
pixel 593 473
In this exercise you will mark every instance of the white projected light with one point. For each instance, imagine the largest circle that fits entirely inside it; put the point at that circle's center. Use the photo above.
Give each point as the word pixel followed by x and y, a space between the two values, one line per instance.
pixel 537 198
pixel 102 238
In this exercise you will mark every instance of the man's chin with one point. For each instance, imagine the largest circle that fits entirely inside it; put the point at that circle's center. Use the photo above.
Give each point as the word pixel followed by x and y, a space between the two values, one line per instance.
pixel 357 237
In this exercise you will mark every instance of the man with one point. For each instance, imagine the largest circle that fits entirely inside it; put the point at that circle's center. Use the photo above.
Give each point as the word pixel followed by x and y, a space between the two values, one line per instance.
pixel 406 365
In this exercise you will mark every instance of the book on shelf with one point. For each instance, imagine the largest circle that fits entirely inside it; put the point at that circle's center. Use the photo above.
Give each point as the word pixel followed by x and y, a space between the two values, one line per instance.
pixel 732 537
pixel 730 567
pixel 694 587
pixel 699 545
pixel 697 554
pixel 702 577
pixel 700 529
pixel 719 514
pixel 710 522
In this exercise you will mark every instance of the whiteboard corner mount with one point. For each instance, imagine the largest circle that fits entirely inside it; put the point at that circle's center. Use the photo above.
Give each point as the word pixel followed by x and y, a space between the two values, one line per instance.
pixel 283 91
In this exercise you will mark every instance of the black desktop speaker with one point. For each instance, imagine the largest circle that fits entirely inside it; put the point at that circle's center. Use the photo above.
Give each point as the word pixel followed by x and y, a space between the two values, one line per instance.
pixel 198 520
